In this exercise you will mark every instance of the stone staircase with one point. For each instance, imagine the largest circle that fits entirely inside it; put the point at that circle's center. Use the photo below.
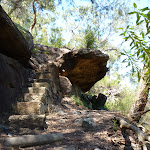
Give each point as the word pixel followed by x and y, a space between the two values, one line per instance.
pixel 39 96
pixel 36 99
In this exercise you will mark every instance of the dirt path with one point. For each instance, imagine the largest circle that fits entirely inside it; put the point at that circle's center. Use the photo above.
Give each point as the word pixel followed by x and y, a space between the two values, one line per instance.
pixel 101 134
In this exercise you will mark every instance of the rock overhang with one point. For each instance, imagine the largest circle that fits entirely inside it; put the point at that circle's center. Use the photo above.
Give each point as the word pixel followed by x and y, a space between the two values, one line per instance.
pixel 13 44
pixel 83 67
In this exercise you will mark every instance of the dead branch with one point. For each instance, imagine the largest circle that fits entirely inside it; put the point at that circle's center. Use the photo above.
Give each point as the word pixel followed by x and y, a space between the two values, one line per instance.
pixel 142 137
pixel 34 20
pixel 139 115
pixel 32 140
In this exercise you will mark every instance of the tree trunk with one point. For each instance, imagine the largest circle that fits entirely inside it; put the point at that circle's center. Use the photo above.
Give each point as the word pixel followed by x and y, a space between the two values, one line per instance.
pixel 141 96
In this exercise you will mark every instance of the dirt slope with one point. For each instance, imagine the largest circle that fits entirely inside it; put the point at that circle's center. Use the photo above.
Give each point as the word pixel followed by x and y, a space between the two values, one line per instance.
pixel 103 134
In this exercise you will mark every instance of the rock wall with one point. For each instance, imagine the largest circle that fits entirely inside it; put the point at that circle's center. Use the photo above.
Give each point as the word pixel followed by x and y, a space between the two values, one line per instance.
pixel 14 55
pixel 12 42
pixel 13 77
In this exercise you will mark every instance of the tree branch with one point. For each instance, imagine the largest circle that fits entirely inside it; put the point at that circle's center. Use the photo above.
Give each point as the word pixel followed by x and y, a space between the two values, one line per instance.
pixel 111 49
pixel 142 137
pixel 139 115
pixel 34 21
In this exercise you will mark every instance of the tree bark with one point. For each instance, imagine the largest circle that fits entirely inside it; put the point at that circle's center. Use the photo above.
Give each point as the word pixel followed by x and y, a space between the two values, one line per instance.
pixel 141 96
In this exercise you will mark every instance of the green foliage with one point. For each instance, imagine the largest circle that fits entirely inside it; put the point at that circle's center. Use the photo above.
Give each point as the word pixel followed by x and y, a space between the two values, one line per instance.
pixel 22 13
pixel 118 99
pixel 76 100
pixel 79 101
pixel 90 38
pixel 102 19
pixel 124 101
pixel 115 124
pixel 27 35
pixel 139 39
pixel 101 16
pixel 56 39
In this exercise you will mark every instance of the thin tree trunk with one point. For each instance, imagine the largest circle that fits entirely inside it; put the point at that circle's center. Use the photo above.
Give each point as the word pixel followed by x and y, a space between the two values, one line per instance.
pixel 141 96
pixel 34 20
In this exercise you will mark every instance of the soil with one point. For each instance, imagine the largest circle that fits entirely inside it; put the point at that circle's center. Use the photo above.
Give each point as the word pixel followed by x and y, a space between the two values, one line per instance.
pixel 67 118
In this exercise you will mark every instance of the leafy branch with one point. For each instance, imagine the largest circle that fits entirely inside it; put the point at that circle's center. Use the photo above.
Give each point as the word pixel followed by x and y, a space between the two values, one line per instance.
pixel 139 41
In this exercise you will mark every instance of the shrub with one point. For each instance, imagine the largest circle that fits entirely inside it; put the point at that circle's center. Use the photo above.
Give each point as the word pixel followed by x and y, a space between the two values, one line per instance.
pixel 119 98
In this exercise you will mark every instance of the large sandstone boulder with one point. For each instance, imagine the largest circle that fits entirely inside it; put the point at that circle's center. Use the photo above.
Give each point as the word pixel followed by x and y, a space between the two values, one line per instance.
pixel 83 67
pixel 12 42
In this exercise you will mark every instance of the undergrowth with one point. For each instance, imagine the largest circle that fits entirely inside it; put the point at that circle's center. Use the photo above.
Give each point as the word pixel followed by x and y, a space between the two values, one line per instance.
pixel 118 98
pixel 79 101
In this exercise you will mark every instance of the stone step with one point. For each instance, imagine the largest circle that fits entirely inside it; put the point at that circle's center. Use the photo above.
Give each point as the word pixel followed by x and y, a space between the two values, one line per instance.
pixel 27 121
pixel 47 67
pixel 26 108
pixel 37 90
pixel 34 97
pixel 43 75
pixel 41 84
pixel 42 80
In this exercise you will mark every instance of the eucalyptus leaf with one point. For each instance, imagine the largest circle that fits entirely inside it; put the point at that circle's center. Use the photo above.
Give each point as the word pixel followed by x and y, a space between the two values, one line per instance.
pixel 135 6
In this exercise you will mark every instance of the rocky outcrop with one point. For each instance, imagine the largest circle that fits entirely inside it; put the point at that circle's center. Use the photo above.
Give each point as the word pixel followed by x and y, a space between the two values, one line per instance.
pixel 12 42
pixel 83 67
pixel 15 53
pixel 13 77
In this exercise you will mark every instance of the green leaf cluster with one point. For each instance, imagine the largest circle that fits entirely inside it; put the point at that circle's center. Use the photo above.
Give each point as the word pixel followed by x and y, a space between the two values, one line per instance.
pixel 89 39
pixel 139 39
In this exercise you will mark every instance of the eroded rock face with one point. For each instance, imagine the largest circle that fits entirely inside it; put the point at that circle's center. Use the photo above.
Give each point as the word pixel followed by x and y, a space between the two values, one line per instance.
pixel 65 84
pixel 83 67
pixel 12 42
pixel 12 78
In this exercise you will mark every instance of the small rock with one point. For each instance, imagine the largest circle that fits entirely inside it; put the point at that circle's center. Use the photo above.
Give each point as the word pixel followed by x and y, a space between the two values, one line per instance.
pixel 60 112
pixel 75 112
pixel 89 115
pixel 83 112
pixel 65 148
pixel 68 148
pixel 88 123
pixel 78 122
pixel 62 121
